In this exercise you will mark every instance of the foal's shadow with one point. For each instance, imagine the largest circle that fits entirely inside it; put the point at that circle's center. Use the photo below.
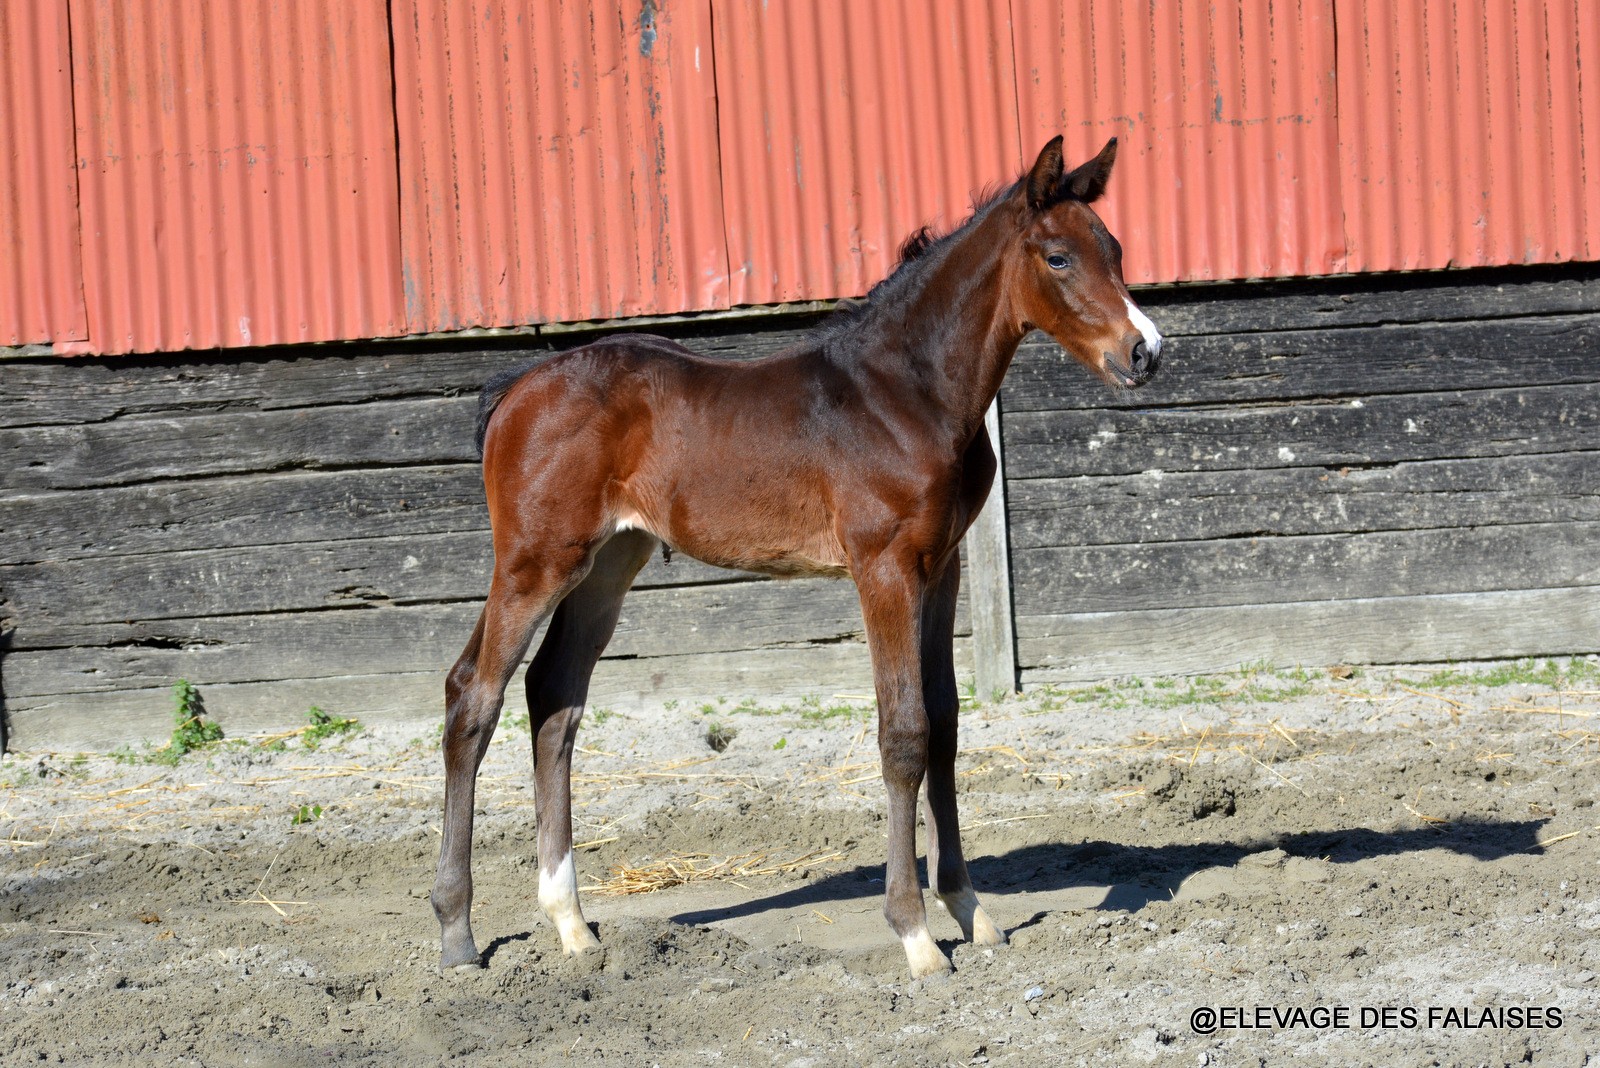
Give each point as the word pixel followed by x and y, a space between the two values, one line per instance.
pixel 1137 875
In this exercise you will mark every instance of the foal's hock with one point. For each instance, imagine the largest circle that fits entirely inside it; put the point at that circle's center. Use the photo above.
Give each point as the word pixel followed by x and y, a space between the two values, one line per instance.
pixel 860 452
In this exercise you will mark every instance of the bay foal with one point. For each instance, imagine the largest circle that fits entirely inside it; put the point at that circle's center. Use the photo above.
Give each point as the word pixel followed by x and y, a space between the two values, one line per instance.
pixel 861 453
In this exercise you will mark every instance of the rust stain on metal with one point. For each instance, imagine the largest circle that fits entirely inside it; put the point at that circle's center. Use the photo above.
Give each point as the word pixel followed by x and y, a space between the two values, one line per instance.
pixel 561 161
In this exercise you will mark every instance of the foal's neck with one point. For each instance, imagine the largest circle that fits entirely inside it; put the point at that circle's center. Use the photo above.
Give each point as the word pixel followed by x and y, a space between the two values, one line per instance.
pixel 955 336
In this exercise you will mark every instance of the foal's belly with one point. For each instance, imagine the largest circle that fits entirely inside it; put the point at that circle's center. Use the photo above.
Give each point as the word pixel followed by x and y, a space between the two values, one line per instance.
pixel 783 546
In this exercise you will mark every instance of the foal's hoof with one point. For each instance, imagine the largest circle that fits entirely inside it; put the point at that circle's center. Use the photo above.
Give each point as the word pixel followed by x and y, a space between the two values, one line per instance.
pixel 576 937
pixel 984 932
pixel 460 958
pixel 578 940
pixel 925 957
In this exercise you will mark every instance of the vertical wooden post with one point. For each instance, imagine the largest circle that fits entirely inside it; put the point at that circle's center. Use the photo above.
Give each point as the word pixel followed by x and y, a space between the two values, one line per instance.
pixel 994 647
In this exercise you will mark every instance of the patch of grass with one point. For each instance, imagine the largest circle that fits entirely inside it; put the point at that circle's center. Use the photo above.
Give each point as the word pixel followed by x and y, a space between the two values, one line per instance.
pixel 1255 683
pixel 191 730
pixel 814 710
pixel 1532 672
pixel 324 726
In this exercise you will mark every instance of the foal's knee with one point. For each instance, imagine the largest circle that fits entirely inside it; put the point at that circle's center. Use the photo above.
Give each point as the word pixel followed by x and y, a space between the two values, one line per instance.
pixel 903 751
pixel 470 712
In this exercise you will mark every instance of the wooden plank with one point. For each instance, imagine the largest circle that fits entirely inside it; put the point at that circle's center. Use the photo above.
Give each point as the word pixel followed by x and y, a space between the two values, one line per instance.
pixel 1387 630
pixel 284 508
pixel 46 598
pixel 256 648
pixel 252 648
pixel 53 391
pixel 241 511
pixel 1197 506
pixel 37 392
pixel 989 566
pixel 1366 300
pixel 433 431
pixel 1332 434
pixel 347 413
pixel 1354 362
pixel 106 720
pixel 1317 567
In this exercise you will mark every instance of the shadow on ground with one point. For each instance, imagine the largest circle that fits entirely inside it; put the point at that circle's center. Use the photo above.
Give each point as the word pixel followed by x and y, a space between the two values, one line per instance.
pixel 1140 874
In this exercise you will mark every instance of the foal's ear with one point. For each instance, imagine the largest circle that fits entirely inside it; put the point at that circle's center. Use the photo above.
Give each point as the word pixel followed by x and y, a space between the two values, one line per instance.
pixel 1088 182
pixel 1044 180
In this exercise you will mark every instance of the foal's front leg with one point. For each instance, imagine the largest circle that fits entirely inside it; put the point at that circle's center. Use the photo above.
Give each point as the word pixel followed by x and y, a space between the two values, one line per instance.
pixel 947 865
pixel 892 591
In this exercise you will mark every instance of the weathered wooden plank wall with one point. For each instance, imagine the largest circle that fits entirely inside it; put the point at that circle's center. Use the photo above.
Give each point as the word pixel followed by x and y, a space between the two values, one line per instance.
pixel 311 530
pixel 1359 470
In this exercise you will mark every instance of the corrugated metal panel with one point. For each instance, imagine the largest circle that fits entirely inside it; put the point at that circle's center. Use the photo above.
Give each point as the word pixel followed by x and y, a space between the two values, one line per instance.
pixel 1226 110
pixel 845 126
pixel 560 160
pixel 1468 129
pixel 238 172
pixel 41 297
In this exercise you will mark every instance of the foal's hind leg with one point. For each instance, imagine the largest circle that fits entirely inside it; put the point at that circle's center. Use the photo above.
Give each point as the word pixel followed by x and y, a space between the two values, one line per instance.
pixel 558 684
pixel 473 693
pixel 892 592
pixel 947 866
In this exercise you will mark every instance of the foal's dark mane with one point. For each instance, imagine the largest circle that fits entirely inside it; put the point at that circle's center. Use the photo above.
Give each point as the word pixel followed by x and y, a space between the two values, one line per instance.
pixel 920 251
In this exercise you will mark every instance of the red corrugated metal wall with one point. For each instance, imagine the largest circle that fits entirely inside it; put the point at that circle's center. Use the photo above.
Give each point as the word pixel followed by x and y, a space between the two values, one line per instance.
pixel 1228 164
pixel 1469 127
pixel 834 147
pixel 237 172
pixel 262 171
pixel 560 161
pixel 41 287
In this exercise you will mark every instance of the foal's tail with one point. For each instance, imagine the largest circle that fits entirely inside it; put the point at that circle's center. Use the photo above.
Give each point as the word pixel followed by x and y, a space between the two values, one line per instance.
pixel 494 392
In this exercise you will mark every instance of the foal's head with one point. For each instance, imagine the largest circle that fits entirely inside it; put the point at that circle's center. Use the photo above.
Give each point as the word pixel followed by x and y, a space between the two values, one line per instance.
pixel 1066 275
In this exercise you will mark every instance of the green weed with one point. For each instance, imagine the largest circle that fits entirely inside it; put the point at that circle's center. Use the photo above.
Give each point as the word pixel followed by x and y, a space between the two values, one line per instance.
pixel 1531 672
pixel 324 726
pixel 814 710
pixel 191 730
pixel 305 814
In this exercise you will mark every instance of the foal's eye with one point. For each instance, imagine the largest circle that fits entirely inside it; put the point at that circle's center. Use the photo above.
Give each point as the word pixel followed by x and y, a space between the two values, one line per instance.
pixel 1056 260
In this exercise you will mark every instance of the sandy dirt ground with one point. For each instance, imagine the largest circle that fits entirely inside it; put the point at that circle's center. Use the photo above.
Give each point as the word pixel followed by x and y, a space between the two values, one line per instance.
pixel 1416 849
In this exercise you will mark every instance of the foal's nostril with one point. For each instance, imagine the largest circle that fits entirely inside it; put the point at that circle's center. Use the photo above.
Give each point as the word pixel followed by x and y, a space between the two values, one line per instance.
pixel 1142 362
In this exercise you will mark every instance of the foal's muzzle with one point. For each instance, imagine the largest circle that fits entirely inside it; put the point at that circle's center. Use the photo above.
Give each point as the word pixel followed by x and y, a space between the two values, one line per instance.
pixel 1137 367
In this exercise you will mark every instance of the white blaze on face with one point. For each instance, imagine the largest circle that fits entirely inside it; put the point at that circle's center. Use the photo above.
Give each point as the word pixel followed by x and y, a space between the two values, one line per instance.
pixel 1152 336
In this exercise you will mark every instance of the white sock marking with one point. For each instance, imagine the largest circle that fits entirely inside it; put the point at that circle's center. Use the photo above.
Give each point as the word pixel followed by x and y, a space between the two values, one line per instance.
pixel 558 896
pixel 923 955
